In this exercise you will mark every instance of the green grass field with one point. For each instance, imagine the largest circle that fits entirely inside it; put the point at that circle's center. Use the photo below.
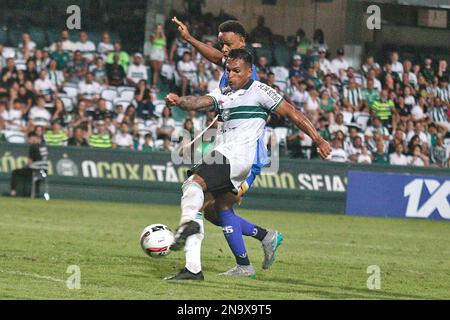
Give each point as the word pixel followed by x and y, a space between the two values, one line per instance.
pixel 323 256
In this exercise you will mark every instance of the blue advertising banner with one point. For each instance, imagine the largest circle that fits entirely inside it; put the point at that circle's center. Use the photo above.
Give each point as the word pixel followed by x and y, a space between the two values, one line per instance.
pixel 398 195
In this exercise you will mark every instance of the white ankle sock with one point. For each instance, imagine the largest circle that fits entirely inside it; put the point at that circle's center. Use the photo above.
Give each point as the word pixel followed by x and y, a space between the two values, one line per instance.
pixel 193 246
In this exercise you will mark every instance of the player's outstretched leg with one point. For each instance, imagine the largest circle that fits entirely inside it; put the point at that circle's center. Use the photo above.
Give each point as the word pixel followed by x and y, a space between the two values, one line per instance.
pixel 190 233
pixel 233 233
pixel 191 203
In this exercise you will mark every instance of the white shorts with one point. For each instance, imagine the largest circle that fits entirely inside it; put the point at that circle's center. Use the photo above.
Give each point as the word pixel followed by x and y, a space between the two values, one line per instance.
pixel 157 55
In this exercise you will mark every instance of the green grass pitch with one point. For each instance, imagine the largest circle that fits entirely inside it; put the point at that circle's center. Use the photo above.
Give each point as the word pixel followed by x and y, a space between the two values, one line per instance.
pixel 323 256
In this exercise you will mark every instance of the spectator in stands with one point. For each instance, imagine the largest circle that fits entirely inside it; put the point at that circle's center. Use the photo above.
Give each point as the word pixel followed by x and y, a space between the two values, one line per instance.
pixel 60 56
pixel 31 73
pixel 438 114
pixel 44 87
pixel 167 145
pixel 398 158
pixel 201 83
pixel 39 115
pixel 67 44
pixel 99 71
pixel 427 70
pixel 86 46
pixel 325 64
pixel 365 156
pixel 418 159
pixel 143 96
pixel 78 139
pixel 380 156
pixel 318 42
pixel 443 92
pixel 178 49
pixel 261 33
pixel 338 125
pixel 263 68
pixel 27 43
pixel 59 113
pixel 370 64
pixel 188 73
pixel 137 70
pixel 166 124
pixel 296 70
pixel 25 96
pixel 118 56
pixel 89 90
pixel 148 145
pixel 123 139
pixel 337 152
pixel 100 112
pixel 105 46
pixel 40 61
pixel 55 136
pixel 214 82
pixel 81 117
pixel 396 65
pixel 303 43
pixel 76 68
pixel 55 76
pixel 100 136
pixel 158 53
pixel 339 64
pixel 115 72
pixel 439 153
pixel 130 117
pixel 353 94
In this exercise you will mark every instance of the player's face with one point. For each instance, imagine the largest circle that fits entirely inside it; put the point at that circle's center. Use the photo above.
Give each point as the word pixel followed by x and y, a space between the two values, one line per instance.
pixel 229 41
pixel 239 73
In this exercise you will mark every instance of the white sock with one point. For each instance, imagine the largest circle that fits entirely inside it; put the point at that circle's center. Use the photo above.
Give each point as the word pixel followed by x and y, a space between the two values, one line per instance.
pixel 193 246
pixel 191 201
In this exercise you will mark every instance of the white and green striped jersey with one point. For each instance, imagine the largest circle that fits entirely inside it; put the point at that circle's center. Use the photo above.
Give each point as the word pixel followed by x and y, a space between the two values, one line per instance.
pixel 243 114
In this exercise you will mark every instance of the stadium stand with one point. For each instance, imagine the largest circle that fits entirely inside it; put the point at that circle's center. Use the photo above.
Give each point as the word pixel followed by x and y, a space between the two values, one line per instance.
pixel 412 101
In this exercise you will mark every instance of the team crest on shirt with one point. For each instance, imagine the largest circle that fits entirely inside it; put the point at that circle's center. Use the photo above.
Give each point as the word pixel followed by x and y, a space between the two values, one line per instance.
pixel 225 114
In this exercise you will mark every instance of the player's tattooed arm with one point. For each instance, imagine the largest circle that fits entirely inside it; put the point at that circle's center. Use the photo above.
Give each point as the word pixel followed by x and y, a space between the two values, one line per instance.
pixel 285 109
pixel 208 52
pixel 189 103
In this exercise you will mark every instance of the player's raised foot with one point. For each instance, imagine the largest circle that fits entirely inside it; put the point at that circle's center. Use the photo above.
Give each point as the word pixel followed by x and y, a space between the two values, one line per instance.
pixel 241 271
pixel 185 274
pixel 182 233
pixel 270 245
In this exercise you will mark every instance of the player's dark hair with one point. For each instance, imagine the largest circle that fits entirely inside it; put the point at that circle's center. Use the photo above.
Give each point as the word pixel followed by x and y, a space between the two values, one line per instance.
pixel 233 26
pixel 243 54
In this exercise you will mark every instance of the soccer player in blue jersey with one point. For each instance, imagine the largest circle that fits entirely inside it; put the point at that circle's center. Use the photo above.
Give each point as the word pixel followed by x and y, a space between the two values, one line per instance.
pixel 231 36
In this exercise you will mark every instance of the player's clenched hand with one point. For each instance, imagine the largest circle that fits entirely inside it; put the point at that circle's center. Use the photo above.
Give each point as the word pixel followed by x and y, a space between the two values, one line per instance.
pixel 184 32
pixel 172 99
pixel 323 147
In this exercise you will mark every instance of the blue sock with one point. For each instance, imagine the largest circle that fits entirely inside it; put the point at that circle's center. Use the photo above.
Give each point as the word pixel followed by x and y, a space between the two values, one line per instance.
pixel 232 229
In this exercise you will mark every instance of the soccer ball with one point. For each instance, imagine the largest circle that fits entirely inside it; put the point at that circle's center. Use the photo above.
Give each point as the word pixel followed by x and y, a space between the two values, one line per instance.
pixel 156 240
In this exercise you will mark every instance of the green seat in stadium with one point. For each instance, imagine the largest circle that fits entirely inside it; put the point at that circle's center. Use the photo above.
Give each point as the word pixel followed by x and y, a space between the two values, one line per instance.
pixel 38 36
pixel 52 35
pixel 3 35
pixel 282 56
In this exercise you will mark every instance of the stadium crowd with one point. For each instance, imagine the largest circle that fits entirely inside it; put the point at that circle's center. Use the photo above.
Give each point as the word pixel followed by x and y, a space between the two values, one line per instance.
pixel 97 95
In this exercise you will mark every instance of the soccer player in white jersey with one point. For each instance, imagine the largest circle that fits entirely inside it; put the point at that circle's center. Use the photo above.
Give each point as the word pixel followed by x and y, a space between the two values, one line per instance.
pixel 231 36
pixel 243 109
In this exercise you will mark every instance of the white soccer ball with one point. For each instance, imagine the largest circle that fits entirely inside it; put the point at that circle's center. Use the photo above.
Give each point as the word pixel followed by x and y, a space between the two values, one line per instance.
pixel 156 240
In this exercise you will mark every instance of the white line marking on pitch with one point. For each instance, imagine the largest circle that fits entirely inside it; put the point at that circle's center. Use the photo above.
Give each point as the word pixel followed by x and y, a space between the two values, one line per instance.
pixel 34 275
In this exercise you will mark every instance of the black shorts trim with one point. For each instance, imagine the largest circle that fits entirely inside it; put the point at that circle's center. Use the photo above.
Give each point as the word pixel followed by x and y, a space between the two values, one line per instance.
pixel 215 173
